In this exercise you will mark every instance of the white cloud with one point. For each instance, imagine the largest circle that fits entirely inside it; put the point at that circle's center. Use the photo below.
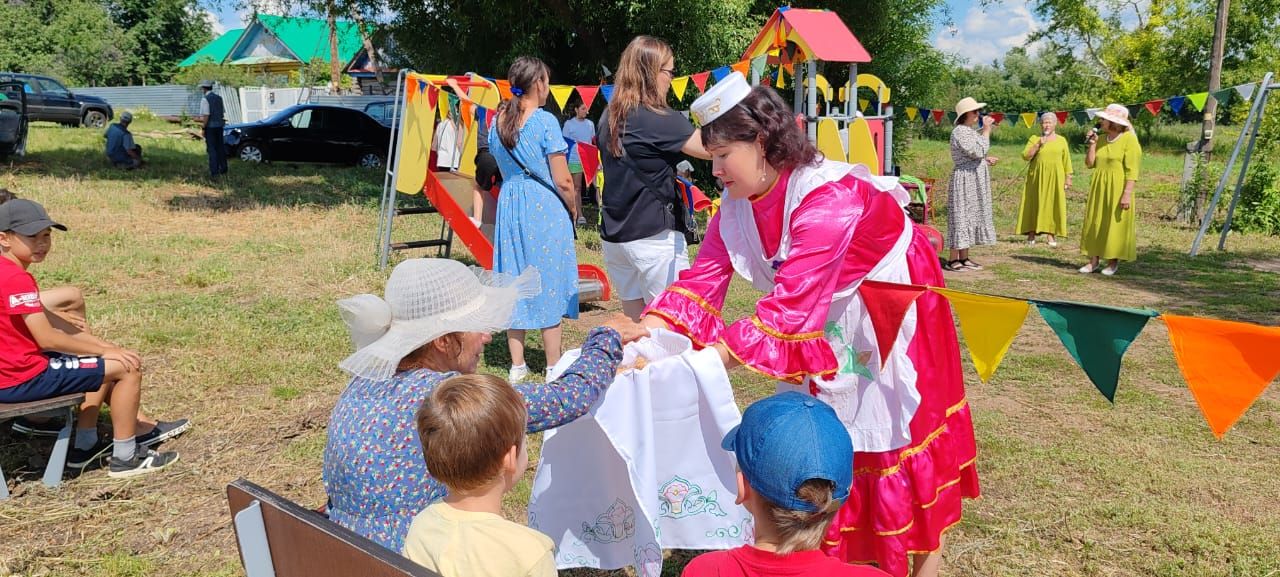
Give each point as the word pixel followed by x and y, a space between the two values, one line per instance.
pixel 215 23
pixel 983 35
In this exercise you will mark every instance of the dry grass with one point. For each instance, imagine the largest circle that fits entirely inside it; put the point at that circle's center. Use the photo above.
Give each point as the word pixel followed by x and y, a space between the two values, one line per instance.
pixel 227 290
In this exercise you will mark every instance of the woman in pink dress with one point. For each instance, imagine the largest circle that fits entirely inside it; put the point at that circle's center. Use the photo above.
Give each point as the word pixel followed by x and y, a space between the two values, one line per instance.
pixel 808 231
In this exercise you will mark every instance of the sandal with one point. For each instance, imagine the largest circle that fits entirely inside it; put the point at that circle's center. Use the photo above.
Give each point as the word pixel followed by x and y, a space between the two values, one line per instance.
pixel 954 266
pixel 971 265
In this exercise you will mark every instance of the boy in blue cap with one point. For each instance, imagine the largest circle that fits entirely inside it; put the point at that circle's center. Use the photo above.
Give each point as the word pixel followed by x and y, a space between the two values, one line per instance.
pixel 795 468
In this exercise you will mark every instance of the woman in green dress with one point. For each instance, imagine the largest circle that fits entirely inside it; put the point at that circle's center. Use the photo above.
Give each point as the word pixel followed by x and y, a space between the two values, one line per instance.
pixel 1044 199
pixel 1109 231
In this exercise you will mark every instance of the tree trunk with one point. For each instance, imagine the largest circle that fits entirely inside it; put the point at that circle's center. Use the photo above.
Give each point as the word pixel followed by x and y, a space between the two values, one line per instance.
pixel 335 67
pixel 368 47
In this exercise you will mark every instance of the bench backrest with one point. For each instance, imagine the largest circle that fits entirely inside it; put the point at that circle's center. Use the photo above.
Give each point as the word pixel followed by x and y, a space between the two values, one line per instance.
pixel 279 538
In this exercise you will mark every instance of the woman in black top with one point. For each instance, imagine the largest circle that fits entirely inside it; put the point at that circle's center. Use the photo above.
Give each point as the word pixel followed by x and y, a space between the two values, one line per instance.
pixel 644 248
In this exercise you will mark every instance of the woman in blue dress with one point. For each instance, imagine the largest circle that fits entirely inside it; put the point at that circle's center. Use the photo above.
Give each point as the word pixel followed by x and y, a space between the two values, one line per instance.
pixel 534 222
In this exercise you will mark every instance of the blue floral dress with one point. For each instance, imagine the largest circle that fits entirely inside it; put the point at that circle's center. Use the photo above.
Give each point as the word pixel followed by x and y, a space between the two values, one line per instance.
pixel 374 472
pixel 533 228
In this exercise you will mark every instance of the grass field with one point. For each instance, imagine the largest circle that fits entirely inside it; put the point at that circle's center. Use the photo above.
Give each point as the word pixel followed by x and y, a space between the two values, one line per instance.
pixel 227 290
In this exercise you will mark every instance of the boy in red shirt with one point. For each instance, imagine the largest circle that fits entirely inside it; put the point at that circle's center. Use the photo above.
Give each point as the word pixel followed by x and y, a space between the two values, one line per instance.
pixel 38 361
pixel 795 467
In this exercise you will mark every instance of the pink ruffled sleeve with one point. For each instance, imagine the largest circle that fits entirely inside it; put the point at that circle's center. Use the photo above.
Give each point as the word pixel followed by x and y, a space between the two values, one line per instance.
pixel 692 304
pixel 785 338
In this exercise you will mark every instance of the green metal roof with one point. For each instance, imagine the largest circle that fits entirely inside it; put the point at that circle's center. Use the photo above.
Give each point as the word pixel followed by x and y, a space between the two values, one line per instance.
pixel 309 37
pixel 215 51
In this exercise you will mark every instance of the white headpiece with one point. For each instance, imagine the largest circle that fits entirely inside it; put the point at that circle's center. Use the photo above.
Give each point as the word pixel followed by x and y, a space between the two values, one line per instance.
pixel 724 95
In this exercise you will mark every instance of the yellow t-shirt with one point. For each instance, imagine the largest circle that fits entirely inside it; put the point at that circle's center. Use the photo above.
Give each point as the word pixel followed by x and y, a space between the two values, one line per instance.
pixel 458 543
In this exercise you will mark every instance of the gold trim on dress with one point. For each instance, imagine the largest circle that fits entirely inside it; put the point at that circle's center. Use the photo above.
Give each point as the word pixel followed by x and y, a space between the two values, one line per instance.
pixel 755 320
pixel 795 378
pixel 683 328
pixel 698 300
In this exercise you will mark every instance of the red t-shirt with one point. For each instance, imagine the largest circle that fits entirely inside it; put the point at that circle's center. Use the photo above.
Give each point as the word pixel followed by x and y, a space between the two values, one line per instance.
pixel 747 561
pixel 20 357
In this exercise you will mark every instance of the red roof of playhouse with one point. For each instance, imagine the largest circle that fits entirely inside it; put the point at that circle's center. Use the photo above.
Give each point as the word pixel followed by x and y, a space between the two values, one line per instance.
pixel 819 34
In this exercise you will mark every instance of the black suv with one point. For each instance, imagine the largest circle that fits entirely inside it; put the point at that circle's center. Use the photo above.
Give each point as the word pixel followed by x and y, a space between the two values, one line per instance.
pixel 49 100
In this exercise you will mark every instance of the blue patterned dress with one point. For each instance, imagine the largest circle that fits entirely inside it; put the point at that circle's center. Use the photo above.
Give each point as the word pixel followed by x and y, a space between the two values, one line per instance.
pixel 533 228
pixel 374 471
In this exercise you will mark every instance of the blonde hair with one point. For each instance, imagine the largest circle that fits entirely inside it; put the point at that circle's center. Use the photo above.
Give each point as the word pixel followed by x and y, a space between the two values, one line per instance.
pixel 467 425
pixel 636 84
pixel 804 530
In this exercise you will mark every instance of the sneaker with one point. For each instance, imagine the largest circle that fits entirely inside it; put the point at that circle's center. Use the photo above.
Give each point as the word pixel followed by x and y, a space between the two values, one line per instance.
pixel 81 458
pixel 47 428
pixel 1086 269
pixel 143 462
pixel 1111 270
pixel 1053 243
pixel 518 374
pixel 582 221
pixel 163 431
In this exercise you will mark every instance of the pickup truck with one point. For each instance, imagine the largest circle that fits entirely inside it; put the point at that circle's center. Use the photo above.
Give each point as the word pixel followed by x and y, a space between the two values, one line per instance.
pixel 49 100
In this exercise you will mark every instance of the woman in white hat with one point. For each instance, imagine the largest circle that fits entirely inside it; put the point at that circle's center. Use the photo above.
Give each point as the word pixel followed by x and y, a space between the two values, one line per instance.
pixel 1044 198
pixel 969 220
pixel 1109 231
pixel 433 324
pixel 807 231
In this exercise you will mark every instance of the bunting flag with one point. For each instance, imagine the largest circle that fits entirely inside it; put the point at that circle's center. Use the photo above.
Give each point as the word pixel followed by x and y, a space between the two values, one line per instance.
pixel 1092 112
pixel 678 86
pixel 951 117
pixel 719 73
pixel 1028 118
pixel 742 67
pixel 700 80
pixel 588 93
pixel 937 116
pixel 561 94
pixel 1134 110
pixel 1081 117
pixel 433 94
pixel 925 114
pixel 1175 104
pixel 757 65
pixel 997 117
pixel 607 92
pixel 482 116
pixel 1227 365
pixel 1246 90
pixel 863 103
pixel 504 89
pixel 1096 336
pixel 1062 117
pixel 887 305
pixel 912 112
pixel 466 110
pixel 1154 106
pixel 780 78
pixel 1223 96
pixel 410 89
pixel 590 157
pixel 1198 99
pixel 989 324
pixel 443 109
pixel 1012 119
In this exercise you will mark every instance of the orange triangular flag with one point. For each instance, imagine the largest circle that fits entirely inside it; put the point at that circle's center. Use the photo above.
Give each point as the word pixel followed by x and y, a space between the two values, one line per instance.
pixel 467 109
pixel 410 88
pixel 588 94
pixel 1226 364
pixel 504 88
pixel 700 80
pixel 887 305
pixel 744 67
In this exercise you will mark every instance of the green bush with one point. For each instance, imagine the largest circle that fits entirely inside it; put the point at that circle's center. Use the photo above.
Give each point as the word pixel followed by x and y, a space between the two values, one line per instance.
pixel 1259 206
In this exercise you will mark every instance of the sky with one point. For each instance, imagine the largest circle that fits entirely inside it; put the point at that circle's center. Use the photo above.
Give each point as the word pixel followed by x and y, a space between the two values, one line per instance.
pixel 978 34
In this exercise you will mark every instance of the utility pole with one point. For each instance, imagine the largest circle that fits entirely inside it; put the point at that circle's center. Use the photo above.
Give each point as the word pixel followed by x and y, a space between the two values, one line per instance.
pixel 1200 150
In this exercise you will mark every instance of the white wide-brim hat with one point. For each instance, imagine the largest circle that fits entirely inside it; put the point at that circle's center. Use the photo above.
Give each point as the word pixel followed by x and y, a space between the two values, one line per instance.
pixel 722 97
pixel 967 104
pixel 1116 113
pixel 427 298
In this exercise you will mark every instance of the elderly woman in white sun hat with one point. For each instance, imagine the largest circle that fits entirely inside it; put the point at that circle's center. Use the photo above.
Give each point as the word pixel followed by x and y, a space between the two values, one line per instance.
pixel 969 220
pixel 1109 231
pixel 433 324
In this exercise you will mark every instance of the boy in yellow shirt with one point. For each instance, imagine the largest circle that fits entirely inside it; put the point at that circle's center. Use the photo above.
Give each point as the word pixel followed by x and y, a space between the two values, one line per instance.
pixel 472 429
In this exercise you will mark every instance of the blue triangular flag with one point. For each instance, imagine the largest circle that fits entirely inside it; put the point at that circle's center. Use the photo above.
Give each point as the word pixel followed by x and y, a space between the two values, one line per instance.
pixel 422 85
pixel 925 113
pixel 607 92
pixel 721 72
pixel 1176 103
pixel 569 141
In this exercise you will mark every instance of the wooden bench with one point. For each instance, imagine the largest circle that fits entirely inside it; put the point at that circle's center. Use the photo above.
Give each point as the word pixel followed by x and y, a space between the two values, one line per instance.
pixel 58 458
pixel 279 538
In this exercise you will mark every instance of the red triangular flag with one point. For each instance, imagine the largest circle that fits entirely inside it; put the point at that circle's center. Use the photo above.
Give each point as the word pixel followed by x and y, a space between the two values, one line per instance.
pixel 997 117
pixel 433 95
pixel 1154 106
pixel 700 80
pixel 588 94
pixel 1062 117
pixel 590 158
pixel 937 116
pixel 887 305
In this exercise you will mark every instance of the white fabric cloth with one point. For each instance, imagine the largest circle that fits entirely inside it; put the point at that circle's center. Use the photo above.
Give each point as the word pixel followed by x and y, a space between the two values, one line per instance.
pixel 641 269
pixel 644 471
pixel 875 402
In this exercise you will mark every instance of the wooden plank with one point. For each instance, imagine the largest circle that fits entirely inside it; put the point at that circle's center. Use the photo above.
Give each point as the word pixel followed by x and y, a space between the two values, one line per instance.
pixel 11 410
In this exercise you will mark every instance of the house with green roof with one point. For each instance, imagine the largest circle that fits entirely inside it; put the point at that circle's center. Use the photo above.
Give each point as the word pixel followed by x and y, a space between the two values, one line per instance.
pixel 283 44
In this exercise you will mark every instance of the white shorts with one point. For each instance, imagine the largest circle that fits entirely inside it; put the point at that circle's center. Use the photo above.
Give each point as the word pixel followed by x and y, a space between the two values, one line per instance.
pixel 642 269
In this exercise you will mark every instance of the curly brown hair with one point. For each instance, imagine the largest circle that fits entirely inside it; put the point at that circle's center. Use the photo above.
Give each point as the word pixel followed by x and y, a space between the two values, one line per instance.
pixel 763 116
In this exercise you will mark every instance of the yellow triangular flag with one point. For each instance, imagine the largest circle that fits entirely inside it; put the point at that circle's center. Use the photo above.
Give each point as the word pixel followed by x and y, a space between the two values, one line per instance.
pixel 443 105
pixel 678 86
pixel 863 103
pixel 782 83
pixel 912 112
pixel 561 94
pixel 1028 118
pixel 989 324
pixel 1198 99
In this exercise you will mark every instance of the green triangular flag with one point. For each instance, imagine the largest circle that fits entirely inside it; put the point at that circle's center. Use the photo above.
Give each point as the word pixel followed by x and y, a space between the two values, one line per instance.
pixel 1223 96
pixel 951 117
pixel 1081 117
pixel 757 66
pixel 1096 336
pixel 1198 99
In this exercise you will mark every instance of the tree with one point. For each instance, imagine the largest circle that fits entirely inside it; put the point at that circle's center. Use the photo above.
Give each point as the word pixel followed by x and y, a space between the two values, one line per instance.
pixel 161 33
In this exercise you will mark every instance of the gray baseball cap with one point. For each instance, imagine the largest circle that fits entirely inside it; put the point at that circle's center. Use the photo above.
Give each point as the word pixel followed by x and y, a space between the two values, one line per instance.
pixel 126 117
pixel 206 84
pixel 25 217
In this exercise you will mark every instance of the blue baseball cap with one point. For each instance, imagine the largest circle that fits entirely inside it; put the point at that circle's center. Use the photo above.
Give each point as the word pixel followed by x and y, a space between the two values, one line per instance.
pixel 787 439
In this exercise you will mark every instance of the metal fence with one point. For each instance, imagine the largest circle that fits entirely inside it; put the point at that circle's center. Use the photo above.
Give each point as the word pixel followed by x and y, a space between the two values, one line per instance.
pixel 243 105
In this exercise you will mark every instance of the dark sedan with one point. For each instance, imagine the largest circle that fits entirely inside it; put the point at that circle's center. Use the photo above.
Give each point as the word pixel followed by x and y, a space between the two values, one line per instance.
pixel 312 133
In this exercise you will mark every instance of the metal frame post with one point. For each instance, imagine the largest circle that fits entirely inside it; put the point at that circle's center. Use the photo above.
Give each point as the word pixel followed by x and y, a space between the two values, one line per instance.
pixel 388 205
pixel 811 109
pixel 1244 167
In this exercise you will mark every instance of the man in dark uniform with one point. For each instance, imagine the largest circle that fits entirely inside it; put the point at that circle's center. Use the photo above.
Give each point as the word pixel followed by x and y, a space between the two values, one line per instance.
pixel 213 119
